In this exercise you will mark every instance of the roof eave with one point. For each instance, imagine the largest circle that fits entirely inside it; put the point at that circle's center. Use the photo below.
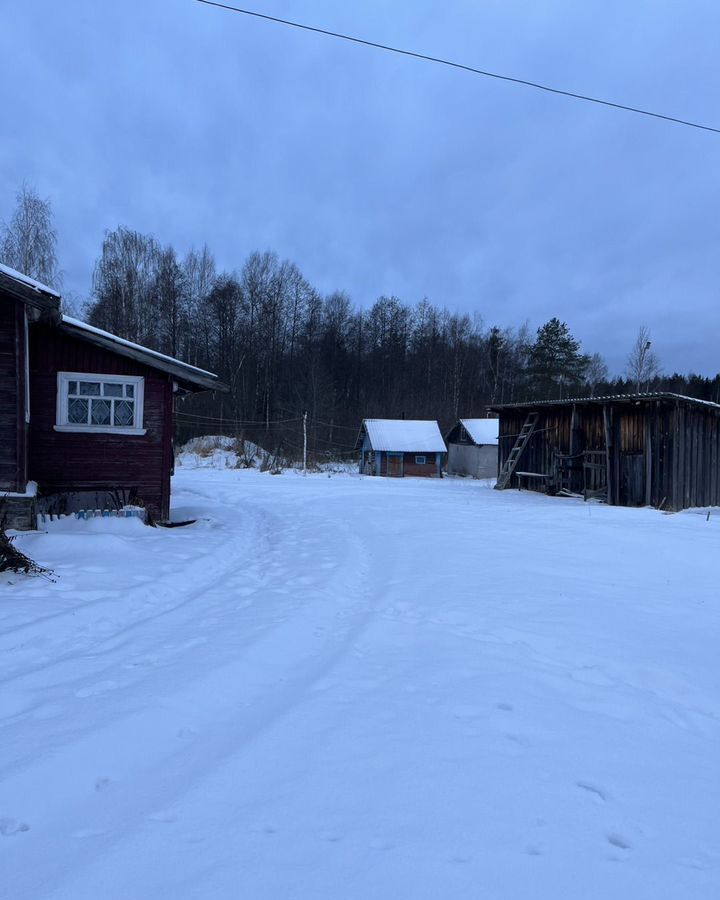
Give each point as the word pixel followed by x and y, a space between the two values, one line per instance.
pixel 190 379
pixel 629 399
pixel 45 303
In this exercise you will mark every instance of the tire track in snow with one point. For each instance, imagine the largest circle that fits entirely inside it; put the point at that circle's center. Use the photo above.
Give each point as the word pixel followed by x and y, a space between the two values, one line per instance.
pixel 92 646
pixel 286 654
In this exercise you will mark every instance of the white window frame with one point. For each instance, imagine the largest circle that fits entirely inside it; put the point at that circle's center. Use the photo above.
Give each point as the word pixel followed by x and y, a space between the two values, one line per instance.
pixel 421 459
pixel 63 382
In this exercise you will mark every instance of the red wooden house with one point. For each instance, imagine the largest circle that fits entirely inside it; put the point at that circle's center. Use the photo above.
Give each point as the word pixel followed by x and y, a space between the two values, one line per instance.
pixel 85 417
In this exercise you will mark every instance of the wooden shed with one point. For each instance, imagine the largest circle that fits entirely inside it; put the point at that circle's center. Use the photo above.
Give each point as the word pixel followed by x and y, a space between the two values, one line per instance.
pixel 399 447
pixel 657 449
pixel 473 448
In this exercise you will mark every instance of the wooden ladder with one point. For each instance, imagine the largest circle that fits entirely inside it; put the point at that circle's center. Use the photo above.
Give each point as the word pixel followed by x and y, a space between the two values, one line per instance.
pixel 511 462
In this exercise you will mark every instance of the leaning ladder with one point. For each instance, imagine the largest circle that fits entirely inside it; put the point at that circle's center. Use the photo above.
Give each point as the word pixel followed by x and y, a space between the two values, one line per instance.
pixel 510 464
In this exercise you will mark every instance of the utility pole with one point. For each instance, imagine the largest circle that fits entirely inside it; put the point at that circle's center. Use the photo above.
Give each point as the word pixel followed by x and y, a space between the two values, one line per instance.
pixel 305 443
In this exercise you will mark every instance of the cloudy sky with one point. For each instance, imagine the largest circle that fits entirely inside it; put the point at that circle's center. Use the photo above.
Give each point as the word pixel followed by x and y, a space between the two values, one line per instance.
pixel 378 174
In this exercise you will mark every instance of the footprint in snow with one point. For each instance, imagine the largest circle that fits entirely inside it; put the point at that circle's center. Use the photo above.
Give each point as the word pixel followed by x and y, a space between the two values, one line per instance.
pixel 617 840
pixel 102 784
pixel 598 795
pixel 10 826
pixel 505 707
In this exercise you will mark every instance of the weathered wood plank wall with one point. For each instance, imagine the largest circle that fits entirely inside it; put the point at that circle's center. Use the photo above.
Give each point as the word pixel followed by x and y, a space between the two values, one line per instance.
pixel 11 385
pixel 64 462
pixel 664 453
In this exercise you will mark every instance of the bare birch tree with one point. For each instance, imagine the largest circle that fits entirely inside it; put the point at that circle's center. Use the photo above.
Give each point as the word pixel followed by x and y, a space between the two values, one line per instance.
pixel 28 241
pixel 642 365
pixel 596 372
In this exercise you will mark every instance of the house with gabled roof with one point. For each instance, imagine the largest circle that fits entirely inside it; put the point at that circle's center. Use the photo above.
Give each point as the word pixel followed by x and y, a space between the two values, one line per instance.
pixel 399 447
pixel 473 448
pixel 85 416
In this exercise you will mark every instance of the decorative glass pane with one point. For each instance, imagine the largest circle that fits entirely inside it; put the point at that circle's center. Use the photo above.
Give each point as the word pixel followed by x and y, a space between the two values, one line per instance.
pixel 72 387
pixel 78 412
pixel 124 413
pixel 90 388
pixel 129 390
pixel 112 390
pixel 100 412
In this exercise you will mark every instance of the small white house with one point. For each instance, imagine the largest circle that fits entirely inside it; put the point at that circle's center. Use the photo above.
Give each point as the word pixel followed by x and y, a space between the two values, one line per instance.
pixel 473 448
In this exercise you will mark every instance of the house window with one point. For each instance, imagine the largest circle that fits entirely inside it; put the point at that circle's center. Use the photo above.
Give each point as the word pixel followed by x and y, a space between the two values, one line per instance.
pixel 112 404
pixel 420 460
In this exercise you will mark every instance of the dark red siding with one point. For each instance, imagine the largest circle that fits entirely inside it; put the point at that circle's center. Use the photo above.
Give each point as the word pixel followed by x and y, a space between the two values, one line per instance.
pixel 12 387
pixel 410 467
pixel 65 462
pixel 428 469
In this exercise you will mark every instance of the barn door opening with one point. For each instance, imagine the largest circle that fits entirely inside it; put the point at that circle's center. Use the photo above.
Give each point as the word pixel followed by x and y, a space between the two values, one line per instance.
pixel 395 465
pixel 595 475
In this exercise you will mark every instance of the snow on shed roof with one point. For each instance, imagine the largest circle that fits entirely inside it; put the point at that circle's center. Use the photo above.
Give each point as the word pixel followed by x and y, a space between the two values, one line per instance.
pixel 149 357
pixel 28 281
pixel 636 398
pixel 405 435
pixel 482 431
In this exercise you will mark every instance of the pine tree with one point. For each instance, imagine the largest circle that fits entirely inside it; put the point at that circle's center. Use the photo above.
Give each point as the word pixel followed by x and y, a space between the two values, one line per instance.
pixel 556 364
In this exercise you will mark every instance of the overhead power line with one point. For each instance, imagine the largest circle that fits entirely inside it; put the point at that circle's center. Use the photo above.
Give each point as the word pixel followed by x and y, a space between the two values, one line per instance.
pixel 230 421
pixel 455 65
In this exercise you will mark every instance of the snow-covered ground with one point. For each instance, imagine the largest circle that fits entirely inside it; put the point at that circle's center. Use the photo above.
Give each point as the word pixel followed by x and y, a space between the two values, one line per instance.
pixel 359 688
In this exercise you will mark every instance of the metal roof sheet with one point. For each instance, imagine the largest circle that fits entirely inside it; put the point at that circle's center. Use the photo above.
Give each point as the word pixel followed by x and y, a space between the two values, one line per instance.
pixel 482 431
pixel 405 435
pixel 648 397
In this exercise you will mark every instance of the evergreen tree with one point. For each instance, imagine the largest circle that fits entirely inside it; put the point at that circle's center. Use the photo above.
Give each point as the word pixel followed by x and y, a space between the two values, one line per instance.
pixel 556 364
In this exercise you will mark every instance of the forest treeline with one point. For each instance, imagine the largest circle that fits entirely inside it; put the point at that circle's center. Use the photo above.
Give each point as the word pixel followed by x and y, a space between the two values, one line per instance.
pixel 284 348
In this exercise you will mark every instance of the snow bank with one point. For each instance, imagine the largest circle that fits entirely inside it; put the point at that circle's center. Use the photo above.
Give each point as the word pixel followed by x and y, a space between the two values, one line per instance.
pixel 218 452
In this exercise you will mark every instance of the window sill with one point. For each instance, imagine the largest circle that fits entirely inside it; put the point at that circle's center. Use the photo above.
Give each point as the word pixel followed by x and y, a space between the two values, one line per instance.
pixel 98 429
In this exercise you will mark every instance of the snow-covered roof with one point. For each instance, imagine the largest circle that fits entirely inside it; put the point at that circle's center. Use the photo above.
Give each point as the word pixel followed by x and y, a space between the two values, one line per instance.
pixel 610 398
pixel 27 281
pixel 150 357
pixel 482 431
pixel 76 323
pixel 405 435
